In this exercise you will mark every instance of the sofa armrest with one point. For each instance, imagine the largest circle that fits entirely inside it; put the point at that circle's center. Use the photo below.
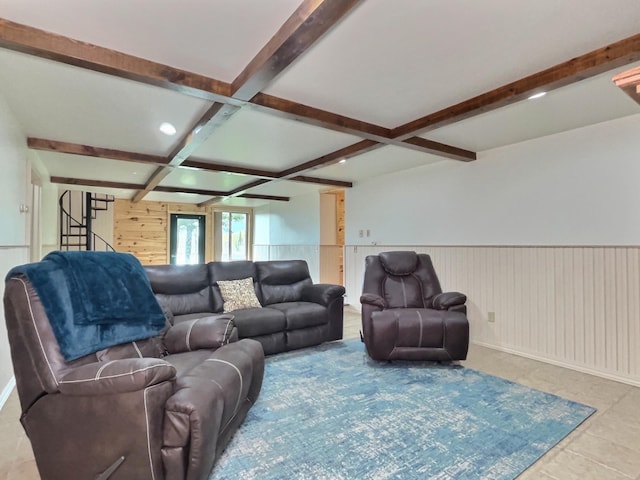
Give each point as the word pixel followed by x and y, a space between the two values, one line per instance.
pixel 322 293
pixel 200 333
pixel 444 301
pixel 116 376
pixel 373 300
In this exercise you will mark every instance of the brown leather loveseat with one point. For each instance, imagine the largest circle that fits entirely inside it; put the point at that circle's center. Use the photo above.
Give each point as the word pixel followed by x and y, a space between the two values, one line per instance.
pixel 160 406
pixel 289 310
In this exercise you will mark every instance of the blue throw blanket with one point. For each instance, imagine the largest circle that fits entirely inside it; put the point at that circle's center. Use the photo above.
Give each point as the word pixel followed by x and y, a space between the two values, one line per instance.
pixel 94 300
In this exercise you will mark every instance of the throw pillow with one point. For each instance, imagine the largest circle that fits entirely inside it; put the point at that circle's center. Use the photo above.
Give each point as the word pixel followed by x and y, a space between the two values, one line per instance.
pixel 237 294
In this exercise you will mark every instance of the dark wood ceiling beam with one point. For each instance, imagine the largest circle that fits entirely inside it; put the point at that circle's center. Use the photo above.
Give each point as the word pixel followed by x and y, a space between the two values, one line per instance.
pixel 585 66
pixel 339 123
pixel 217 114
pixel 96 152
pixel 320 118
pixel 237 192
pixel 194 191
pixel 322 181
pixel 135 186
pixel 219 167
pixel 277 198
pixel 243 188
pixel 311 20
pixel 33 41
pixel 435 148
pixel 224 168
pixel 42 144
pixel 629 82
pixel 331 158
pixel 94 183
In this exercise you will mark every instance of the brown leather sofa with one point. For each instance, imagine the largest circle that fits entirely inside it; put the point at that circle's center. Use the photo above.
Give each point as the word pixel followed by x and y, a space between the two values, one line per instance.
pixel 405 314
pixel 158 408
pixel 295 312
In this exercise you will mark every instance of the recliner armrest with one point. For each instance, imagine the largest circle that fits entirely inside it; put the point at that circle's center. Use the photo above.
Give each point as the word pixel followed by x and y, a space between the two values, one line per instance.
pixel 322 293
pixel 201 333
pixel 446 300
pixel 373 299
pixel 116 376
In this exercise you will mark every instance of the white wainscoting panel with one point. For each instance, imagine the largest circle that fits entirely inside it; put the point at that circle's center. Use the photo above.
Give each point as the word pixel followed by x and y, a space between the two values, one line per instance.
pixel 577 307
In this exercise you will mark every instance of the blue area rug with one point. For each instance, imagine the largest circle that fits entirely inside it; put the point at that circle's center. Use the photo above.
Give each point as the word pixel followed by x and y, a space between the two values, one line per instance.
pixel 331 413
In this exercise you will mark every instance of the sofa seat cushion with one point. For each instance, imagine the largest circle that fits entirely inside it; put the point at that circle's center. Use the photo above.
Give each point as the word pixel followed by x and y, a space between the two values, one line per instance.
pixel 184 362
pixel 252 322
pixel 302 314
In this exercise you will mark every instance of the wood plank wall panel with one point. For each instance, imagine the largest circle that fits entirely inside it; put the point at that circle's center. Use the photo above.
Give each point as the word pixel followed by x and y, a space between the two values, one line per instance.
pixel 573 306
pixel 142 229
pixel 340 220
pixel 331 264
pixel 339 216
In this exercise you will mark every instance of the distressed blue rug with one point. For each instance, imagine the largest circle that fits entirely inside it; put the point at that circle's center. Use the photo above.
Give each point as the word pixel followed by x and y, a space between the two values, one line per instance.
pixel 331 413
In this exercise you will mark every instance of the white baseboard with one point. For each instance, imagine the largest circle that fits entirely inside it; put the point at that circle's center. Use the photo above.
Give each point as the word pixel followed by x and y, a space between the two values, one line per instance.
pixel 560 363
pixel 4 396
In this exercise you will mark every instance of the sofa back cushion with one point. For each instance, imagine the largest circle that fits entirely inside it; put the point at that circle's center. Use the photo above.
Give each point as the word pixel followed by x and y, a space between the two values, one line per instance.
pixel 183 289
pixel 282 280
pixel 236 270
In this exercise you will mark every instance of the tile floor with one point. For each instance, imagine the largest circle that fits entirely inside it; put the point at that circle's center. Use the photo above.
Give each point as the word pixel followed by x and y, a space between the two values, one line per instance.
pixel 605 447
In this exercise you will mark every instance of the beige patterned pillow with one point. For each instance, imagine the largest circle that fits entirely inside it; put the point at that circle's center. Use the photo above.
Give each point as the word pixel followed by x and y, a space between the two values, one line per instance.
pixel 238 294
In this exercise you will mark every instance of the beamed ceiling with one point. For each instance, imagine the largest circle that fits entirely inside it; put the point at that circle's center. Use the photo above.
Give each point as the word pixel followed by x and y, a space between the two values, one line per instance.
pixel 269 96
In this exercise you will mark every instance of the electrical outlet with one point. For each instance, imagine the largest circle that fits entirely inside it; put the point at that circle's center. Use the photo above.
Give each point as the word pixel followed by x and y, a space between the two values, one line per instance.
pixel 368 232
pixel 491 317
pixel 361 233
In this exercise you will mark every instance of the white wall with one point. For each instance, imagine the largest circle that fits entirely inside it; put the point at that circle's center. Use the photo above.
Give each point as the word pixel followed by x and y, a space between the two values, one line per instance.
pixel 49 217
pixel 545 233
pixel 289 230
pixel 296 222
pixel 14 233
pixel 574 188
pixel 328 219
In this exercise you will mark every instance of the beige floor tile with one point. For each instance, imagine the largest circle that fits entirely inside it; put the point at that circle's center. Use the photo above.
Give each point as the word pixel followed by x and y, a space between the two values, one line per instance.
pixel 535 474
pixel 556 375
pixel 617 428
pixel 25 470
pixel 607 453
pixel 629 404
pixel 570 466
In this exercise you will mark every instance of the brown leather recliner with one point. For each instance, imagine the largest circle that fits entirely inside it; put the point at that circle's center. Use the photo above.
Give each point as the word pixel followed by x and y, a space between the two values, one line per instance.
pixel 405 315
pixel 159 408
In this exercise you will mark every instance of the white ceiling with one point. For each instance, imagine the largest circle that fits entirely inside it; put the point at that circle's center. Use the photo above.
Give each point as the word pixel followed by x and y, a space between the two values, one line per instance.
pixel 257 139
pixel 385 63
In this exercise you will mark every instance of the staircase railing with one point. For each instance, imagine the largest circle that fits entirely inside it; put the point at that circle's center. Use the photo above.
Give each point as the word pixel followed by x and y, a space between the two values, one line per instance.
pixel 78 234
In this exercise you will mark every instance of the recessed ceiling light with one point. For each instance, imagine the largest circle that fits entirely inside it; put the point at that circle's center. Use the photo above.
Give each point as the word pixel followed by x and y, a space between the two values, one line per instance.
pixel 344 160
pixel 167 128
pixel 537 95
